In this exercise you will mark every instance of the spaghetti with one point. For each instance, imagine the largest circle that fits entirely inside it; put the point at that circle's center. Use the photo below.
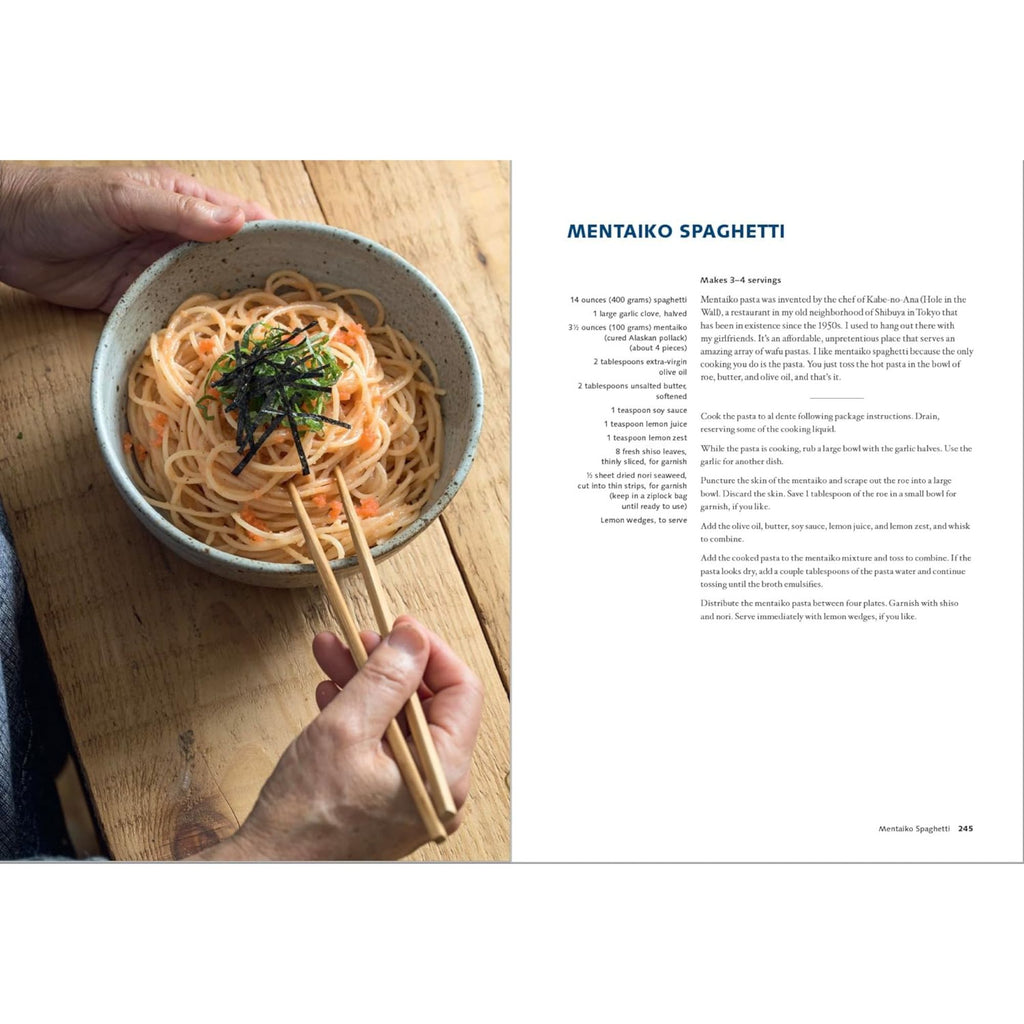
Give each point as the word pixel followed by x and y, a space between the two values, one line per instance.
pixel 379 421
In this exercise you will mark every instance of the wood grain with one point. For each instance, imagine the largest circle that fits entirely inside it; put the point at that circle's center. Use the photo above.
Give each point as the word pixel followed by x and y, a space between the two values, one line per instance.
pixel 181 689
pixel 461 244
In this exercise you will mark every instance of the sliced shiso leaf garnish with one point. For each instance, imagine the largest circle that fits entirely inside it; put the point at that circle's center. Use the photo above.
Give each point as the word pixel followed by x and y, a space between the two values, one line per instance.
pixel 270 379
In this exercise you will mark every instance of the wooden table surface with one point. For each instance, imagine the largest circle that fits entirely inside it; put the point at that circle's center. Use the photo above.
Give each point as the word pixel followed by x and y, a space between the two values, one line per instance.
pixel 181 690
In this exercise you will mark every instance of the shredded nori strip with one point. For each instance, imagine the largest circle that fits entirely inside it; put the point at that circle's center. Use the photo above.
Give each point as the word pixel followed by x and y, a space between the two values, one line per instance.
pixel 270 380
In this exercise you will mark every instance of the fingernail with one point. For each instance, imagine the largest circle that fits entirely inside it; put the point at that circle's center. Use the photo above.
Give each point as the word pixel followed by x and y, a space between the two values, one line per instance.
pixel 225 213
pixel 407 639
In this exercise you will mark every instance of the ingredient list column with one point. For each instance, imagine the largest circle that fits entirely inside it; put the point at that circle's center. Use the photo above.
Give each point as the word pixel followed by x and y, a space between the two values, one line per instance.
pixel 635 369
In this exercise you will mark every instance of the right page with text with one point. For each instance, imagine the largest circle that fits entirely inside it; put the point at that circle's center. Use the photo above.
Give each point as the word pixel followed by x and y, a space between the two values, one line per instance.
pixel 767 512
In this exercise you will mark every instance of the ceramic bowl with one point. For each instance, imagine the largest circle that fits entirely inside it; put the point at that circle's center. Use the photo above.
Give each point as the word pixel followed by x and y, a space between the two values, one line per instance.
pixel 414 306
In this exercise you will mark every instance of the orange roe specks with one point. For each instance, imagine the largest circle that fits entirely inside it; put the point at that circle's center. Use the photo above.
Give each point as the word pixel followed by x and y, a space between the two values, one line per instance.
pixel 367 439
pixel 129 444
pixel 368 507
pixel 356 330
pixel 253 520
pixel 206 346
pixel 334 511
pixel 157 424
pixel 320 500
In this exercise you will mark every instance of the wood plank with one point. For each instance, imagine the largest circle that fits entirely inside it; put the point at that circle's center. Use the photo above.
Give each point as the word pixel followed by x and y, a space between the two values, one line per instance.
pixel 451 220
pixel 182 689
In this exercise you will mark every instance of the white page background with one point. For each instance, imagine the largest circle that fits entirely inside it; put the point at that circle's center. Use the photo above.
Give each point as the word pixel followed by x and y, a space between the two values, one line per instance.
pixel 619 93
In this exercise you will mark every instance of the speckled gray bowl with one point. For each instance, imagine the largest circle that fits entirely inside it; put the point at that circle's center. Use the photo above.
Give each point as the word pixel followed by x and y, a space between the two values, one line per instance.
pixel 414 306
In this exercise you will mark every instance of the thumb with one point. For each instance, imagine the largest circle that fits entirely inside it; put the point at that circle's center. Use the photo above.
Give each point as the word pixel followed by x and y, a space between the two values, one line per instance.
pixel 391 675
pixel 188 217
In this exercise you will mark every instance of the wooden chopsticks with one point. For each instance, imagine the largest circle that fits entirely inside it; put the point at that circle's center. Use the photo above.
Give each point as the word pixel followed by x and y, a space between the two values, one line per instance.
pixel 343 615
pixel 443 800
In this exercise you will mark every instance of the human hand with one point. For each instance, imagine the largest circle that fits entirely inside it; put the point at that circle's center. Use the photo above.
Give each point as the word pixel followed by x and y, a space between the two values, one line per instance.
pixel 79 236
pixel 336 793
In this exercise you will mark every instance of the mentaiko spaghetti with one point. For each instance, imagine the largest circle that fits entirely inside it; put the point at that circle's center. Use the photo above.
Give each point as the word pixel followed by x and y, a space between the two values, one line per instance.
pixel 194 450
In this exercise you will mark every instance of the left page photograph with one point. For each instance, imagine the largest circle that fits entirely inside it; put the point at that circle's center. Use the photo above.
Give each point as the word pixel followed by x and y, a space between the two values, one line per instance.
pixel 254 419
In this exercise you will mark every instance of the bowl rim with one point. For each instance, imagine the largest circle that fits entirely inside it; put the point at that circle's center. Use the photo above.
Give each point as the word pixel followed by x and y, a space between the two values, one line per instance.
pixel 238 565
